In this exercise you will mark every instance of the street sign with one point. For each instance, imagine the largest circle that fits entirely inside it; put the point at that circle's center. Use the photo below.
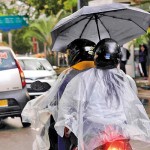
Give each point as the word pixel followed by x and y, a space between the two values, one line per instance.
pixel 8 23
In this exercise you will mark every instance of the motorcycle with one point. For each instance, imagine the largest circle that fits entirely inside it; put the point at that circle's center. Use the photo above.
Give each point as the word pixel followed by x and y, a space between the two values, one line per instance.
pixel 115 145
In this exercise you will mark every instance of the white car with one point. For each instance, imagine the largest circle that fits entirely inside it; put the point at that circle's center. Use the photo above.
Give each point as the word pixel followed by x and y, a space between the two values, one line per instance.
pixel 13 92
pixel 39 75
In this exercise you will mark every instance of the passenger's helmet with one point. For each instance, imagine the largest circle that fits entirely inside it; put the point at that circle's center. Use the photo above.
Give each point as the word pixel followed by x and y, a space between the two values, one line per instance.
pixel 107 54
pixel 80 50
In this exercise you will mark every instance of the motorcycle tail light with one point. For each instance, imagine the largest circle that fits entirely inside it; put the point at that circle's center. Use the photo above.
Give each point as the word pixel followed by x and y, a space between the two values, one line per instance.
pixel 118 145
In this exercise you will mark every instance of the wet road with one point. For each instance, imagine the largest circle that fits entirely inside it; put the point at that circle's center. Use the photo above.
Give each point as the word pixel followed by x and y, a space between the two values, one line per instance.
pixel 145 146
pixel 14 137
pixel 146 104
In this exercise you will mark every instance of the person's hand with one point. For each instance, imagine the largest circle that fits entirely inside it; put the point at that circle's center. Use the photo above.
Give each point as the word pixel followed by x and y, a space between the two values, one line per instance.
pixel 66 132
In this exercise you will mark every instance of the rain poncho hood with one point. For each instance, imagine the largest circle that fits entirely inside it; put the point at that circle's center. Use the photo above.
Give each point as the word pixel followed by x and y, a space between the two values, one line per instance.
pixel 100 106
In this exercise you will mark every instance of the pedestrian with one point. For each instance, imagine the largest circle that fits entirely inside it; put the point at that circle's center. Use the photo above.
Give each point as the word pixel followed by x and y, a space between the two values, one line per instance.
pixel 100 105
pixel 125 55
pixel 80 58
pixel 143 53
pixel 61 60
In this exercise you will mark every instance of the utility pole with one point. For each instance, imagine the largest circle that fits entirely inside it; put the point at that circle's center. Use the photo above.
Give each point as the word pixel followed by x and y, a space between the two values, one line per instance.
pixel 79 4
pixel 10 39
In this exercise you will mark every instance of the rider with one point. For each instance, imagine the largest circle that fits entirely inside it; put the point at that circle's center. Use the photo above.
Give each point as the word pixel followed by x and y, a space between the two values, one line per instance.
pixel 101 104
pixel 107 56
pixel 80 58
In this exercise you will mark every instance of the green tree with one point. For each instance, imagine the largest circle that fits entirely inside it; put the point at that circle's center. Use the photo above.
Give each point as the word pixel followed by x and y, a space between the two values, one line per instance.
pixel 6 10
pixel 34 8
pixel 20 45
pixel 143 4
pixel 70 5
pixel 47 7
pixel 41 28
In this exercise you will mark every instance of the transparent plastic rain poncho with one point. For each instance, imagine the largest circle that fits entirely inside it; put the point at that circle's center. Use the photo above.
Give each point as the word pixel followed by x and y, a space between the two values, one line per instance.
pixel 35 108
pixel 38 111
pixel 101 106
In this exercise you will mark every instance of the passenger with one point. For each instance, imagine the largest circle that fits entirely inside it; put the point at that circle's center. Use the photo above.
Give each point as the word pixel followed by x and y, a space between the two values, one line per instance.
pixel 100 105
pixel 80 58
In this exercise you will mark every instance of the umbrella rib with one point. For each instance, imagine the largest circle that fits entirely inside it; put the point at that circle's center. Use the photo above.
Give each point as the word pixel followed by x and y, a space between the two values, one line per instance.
pixel 138 25
pixel 96 17
pixel 104 27
pixel 74 24
pixel 124 19
pixel 85 27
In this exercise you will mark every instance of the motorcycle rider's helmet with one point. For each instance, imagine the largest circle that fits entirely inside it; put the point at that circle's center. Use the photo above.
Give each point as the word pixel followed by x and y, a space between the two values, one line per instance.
pixel 107 54
pixel 80 50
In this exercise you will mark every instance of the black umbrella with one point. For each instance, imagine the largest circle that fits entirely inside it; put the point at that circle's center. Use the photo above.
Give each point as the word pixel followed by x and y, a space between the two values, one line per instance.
pixel 117 21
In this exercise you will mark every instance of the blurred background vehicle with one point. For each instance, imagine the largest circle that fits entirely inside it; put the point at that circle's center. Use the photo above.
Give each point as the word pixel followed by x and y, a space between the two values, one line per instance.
pixel 39 74
pixel 13 92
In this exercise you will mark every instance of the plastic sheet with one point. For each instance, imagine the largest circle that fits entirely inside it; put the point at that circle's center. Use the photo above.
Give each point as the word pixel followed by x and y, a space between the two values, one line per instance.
pixel 38 114
pixel 101 106
pixel 38 111
pixel 35 108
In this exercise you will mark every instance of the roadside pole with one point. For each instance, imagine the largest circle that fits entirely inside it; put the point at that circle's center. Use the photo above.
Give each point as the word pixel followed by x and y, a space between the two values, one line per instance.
pixel 10 39
pixel 1 37
pixel 79 4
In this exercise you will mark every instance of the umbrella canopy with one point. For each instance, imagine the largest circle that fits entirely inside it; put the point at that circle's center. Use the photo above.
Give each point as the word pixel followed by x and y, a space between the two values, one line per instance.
pixel 117 21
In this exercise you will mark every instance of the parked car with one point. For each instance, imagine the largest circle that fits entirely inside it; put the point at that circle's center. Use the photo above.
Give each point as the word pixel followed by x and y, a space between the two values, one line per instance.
pixel 39 75
pixel 13 92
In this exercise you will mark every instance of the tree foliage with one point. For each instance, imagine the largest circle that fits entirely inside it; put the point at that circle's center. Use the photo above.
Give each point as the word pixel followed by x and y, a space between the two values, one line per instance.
pixel 145 5
pixel 19 45
pixel 49 7
pixel 41 28
pixel 7 9
pixel 70 5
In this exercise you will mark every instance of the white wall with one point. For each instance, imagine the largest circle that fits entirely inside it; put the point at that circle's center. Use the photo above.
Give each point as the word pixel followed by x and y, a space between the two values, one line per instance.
pixel 130 69
pixel 99 2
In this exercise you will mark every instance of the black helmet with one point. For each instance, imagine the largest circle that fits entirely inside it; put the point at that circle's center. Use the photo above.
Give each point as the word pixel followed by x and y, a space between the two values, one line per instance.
pixel 80 50
pixel 107 54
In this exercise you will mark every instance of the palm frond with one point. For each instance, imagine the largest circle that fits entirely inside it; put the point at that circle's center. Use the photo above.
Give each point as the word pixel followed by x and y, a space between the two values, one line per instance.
pixel 41 28
pixel 31 34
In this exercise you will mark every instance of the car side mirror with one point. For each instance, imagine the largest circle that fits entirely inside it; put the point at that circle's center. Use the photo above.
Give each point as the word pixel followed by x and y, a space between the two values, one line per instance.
pixel 55 67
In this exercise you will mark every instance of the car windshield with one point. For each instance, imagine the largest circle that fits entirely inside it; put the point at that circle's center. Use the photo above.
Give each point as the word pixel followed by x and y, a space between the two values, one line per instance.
pixel 6 60
pixel 31 64
pixel 46 64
